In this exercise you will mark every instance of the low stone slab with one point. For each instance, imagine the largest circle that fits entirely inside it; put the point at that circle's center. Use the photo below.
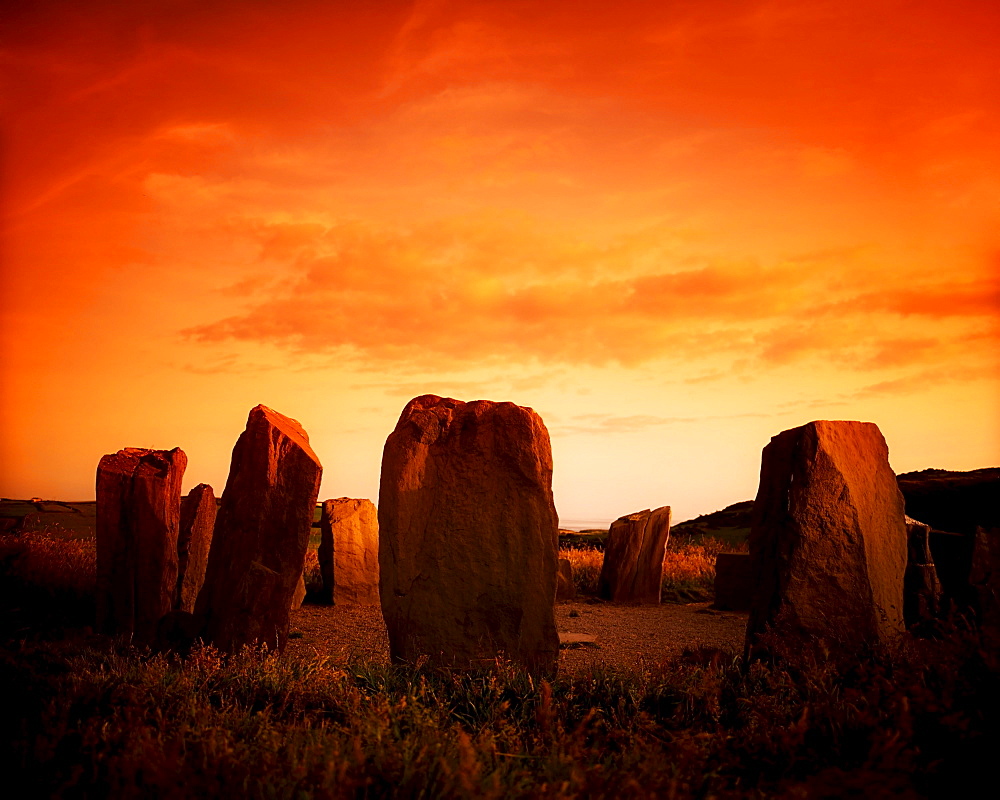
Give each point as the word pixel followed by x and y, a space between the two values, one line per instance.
pixel 733 582
pixel 570 641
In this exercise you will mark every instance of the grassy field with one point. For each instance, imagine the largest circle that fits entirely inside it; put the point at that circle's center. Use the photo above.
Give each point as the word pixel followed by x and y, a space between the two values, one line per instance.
pixel 88 717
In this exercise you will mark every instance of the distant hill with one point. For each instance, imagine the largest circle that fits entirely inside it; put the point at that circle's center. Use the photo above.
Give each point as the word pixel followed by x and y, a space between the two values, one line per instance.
pixel 731 524
pixel 953 501
pixel 944 499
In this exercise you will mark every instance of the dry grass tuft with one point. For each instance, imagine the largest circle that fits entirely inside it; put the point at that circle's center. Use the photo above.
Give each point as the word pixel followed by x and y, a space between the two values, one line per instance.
pixel 688 567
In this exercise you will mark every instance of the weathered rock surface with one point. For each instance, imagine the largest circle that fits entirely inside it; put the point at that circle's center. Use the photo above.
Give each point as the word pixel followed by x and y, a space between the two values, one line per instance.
pixel 138 517
pixel 261 534
pixel 733 582
pixel 828 540
pixel 632 571
pixel 348 551
pixel 921 587
pixel 299 597
pixel 193 543
pixel 984 576
pixel 468 535
pixel 565 587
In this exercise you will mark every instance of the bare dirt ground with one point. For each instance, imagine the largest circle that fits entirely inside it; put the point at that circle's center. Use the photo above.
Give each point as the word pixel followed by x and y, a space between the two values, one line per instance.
pixel 631 637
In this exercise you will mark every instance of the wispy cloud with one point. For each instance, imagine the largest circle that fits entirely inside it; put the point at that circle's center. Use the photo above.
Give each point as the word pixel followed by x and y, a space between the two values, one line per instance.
pixel 475 290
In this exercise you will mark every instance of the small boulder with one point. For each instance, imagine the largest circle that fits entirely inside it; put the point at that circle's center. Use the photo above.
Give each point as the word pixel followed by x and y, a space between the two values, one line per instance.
pixel 632 571
pixel 261 535
pixel 348 552
pixel 828 540
pixel 468 538
pixel 138 519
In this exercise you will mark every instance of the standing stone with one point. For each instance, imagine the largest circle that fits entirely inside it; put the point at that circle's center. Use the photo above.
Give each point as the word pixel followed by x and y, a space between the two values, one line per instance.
pixel 261 535
pixel 984 576
pixel 632 571
pixel 468 535
pixel 138 517
pixel 733 582
pixel 828 540
pixel 348 552
pixel 193 543
pixel 921 587
pixel 299 597
pixel 565 587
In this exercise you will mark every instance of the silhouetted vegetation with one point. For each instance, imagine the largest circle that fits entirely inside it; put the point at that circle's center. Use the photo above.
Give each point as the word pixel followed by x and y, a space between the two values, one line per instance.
pixel 89 717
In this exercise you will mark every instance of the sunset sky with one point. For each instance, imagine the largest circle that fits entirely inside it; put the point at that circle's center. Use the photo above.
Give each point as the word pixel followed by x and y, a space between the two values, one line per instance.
pixel 674 229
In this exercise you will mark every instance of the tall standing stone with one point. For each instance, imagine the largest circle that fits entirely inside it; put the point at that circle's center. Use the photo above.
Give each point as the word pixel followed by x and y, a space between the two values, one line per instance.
pixel 828 541
pixel 138 517
pixel 348 551
pixel 198 511
pixel 261 535
pixel 984 576
pixel 632 571
pixel 468 535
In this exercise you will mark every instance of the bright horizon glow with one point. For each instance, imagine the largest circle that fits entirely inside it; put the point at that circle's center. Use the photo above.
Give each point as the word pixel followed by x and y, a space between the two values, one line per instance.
pixel 674 230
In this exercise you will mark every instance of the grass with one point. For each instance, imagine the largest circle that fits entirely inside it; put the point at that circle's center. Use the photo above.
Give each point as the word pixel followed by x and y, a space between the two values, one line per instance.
pixel 688 568
pixel 93 720
pixel 85 717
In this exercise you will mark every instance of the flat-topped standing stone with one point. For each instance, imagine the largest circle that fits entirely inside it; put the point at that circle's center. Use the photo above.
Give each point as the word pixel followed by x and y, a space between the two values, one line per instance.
pixel 468 535
pixel 632 571
pixel 348 551
pixel 138 517
pixel 261 535
pixel 828 540
pixel 193 543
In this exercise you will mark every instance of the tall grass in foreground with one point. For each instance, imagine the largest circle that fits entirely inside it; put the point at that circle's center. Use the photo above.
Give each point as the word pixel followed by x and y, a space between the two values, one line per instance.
pixel 84 717
pixel 94 721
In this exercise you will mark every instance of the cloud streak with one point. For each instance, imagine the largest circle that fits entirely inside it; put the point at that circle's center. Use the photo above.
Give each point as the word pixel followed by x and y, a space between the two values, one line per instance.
pixel 462 292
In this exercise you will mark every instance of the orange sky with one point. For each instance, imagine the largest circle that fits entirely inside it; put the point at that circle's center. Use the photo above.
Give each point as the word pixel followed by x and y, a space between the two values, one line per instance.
pixel 673 229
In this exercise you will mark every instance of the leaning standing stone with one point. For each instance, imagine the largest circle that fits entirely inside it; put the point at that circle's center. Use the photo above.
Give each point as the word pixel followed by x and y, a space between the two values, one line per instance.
pixel 195 539
pixel 828 541
pixel 138 516
pixel 348 551
pixel 261 535
pixel 565 585
pixel 468 535
pixel 632 571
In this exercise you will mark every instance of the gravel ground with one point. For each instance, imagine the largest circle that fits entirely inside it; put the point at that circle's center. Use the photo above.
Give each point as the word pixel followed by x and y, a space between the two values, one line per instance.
pixel 624 636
